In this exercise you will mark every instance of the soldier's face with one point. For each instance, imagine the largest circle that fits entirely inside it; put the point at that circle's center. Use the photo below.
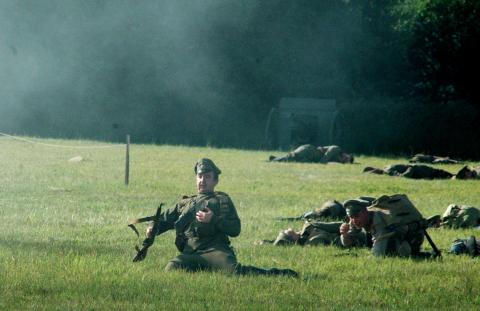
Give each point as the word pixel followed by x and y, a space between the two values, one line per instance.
pixel 206 182
pixel 361 219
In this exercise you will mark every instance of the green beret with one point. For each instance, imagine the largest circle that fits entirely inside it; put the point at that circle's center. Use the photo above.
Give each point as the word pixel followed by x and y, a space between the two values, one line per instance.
pixel 206 165
pixel 355 206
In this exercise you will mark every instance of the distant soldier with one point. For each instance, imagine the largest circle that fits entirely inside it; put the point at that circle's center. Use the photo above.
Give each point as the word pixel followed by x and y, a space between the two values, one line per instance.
pixel 396 226
pixel 469 246
pixel 315 232
pixel 331 209
pixel 468 173
pixel 460 216
pixel 312 154
pixel 203 224
pixel 424 158
pixel 410 171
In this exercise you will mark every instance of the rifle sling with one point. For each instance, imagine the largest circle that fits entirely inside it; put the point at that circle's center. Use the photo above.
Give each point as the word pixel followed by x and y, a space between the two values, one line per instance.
pixel 149 240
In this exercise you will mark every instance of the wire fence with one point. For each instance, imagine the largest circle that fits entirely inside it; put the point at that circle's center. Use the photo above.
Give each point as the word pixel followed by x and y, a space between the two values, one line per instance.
pixel 61 146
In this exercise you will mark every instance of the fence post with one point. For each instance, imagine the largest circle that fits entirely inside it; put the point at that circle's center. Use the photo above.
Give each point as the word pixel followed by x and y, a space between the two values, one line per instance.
pixel 127 161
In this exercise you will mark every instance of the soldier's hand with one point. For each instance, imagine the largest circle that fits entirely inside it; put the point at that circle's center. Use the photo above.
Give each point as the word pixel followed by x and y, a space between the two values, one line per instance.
pixel 141 254
pixel 344 228
pixel 149 232
pixel 204 216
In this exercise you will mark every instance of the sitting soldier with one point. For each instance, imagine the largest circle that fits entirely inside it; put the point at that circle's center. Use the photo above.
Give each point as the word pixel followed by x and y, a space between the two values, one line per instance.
pixel 203 224
pixel 424 158
pixel 410 171
pixel 310 153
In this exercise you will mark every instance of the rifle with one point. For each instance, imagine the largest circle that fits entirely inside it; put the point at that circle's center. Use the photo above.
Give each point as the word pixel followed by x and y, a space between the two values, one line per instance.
pixel 142 252
pixel 422 225
pixel 436 251
pixel 312 215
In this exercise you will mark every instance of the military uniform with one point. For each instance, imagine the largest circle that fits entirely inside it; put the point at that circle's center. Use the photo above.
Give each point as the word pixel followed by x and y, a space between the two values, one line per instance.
pixel 316 232
pixel 203 245
pixel 313 233
pixel 425 158
pixel 304 153
pixel 398 234
pixel 411 171
pixel 331 154
pixel 460 216
pixel 312 154
pixel 468 173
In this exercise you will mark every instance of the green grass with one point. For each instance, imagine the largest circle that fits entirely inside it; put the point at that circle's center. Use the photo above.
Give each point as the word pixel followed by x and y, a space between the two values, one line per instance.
pixel 64 243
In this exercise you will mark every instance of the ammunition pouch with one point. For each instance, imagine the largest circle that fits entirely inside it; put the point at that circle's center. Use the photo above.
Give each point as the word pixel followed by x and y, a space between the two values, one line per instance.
pixel 180 226
pixel 180 242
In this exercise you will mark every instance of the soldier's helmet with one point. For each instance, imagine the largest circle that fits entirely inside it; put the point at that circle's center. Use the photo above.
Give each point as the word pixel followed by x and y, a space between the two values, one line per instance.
pixel 206 165
pixel 354 206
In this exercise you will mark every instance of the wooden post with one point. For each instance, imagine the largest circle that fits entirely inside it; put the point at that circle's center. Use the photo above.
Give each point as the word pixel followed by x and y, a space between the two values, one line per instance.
pixel 127 161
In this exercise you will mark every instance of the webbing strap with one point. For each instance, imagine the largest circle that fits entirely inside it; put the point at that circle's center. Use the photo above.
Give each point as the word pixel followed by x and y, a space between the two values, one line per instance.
pixel 138 221
pixel 155 218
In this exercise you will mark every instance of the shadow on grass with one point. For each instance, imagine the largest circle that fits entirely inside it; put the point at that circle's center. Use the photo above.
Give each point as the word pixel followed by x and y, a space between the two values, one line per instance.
pixel 61 248
pixel 314 277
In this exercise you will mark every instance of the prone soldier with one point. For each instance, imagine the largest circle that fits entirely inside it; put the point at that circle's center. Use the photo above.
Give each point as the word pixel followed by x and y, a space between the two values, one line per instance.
pixel 410 171
pixel 425 158
pixel 315 232
pixel 468 173
pixel 396 226
pixel 458 217
pixel 312 154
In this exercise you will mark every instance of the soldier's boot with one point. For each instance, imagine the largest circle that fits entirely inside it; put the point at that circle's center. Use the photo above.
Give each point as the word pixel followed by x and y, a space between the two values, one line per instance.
pixel 472 246
pixel 286 272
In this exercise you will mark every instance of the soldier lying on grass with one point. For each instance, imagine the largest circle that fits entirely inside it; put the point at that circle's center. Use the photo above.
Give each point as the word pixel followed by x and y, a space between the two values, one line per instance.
pixel 458 217
pixel 425 158
pixel 312 154
pixel 315 232
pixel 395 225
pixel 418 171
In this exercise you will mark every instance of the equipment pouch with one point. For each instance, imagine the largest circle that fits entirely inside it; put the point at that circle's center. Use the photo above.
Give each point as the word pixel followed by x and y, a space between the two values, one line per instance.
pixel 180 242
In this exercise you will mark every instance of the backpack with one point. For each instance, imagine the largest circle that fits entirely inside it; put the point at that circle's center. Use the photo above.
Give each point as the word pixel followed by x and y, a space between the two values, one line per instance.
pixel 465 246
pixel 396 209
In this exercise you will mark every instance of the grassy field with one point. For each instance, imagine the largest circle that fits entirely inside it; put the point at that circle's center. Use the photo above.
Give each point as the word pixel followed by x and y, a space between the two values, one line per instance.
pixel 64 243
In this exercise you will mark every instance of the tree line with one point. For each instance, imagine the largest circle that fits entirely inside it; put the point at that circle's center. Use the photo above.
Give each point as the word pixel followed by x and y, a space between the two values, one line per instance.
pixel 402 71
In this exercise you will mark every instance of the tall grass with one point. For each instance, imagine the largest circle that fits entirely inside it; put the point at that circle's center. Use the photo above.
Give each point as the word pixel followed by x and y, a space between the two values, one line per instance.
pixel 64 243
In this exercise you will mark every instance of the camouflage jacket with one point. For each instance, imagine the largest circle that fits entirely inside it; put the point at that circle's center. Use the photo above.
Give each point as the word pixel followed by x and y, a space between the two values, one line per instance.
pixel 460 216
pixel 193 235
pixel 304 153
pixel 332 154
pixel 320 233
pixel 416 171
pixel 378 229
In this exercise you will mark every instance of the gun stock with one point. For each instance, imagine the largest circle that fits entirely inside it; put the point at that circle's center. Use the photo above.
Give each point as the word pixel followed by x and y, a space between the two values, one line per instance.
pixel 142 252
